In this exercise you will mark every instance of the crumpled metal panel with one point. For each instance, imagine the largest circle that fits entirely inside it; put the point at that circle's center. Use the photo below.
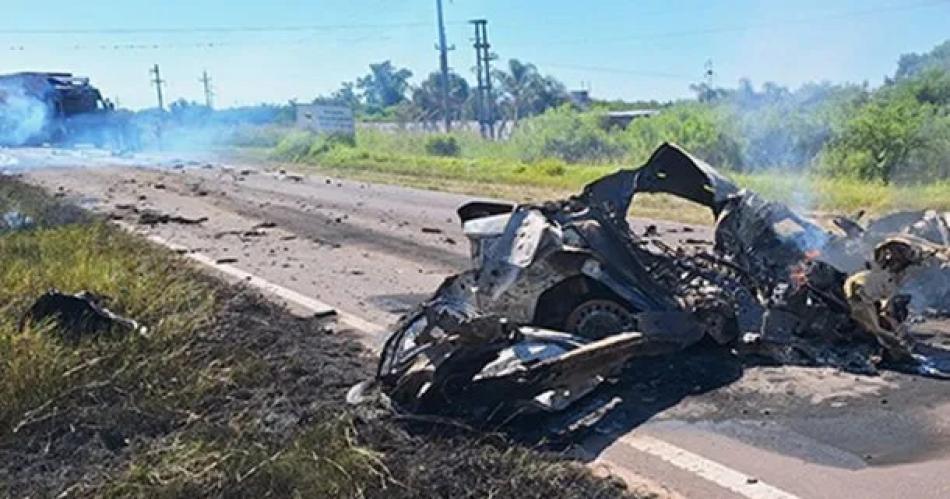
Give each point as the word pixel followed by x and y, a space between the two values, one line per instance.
pixel 672 170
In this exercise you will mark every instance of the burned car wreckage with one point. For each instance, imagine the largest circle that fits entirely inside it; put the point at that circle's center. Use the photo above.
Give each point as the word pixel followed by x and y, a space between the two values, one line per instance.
pixel 563 295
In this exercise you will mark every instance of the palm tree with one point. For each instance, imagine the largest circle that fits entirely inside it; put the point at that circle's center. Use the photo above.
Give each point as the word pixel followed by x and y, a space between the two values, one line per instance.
pixel 427 97
pixel 385 85
pixel 518 86
pixel 526 92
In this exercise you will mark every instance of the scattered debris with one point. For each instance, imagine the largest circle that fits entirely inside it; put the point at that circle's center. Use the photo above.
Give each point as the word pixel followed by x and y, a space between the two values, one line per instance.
pixel 283 175
pixel 14 220
pixel 242 234
pixel 155 217
pixel 561 295
pixel 78 315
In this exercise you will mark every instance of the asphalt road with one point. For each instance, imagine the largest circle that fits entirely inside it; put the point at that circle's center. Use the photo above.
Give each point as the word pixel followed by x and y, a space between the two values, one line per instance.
pixel 698 425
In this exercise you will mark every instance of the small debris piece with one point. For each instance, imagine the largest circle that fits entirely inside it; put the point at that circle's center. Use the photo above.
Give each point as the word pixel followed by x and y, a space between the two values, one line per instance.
pixel 431 230
pixel 226 260
pixel 14 220
pixel 651 231
pixel 77 315
pixel 154 217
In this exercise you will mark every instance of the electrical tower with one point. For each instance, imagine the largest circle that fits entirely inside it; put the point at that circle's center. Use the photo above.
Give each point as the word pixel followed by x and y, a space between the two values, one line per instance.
pixel 206 82
pixel 158 82
pixel 708 92
pixel 444 67
pixel 483 58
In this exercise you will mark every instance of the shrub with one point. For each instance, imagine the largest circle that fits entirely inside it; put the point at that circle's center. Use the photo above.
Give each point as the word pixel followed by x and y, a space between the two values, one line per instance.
pixel 323 143
pixel 880 138
pixel 551 167
pixel 443 145
pixel 703 130
pixel 294 146
pixel 567 135
pixel 299 145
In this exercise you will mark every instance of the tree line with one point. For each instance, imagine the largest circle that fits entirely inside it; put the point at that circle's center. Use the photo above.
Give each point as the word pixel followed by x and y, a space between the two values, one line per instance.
pixel 385 93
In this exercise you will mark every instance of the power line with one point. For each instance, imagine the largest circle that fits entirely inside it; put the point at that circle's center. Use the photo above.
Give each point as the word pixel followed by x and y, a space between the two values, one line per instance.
pixel 191 45
pixel 212 29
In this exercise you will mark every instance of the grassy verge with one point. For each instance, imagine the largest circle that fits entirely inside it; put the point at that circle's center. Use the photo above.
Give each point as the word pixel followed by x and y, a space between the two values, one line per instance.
pixel 227 396
pixel 484 169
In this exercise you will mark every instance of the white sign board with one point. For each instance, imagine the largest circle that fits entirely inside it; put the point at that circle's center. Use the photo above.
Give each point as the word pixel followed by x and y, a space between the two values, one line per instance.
pixel 323 118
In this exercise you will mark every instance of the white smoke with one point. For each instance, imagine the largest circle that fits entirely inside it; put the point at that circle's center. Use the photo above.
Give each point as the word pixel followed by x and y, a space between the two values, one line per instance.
pixel 22 116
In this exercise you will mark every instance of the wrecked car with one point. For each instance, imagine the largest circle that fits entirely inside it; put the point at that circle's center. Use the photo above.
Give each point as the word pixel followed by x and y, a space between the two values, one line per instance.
pixel 562 295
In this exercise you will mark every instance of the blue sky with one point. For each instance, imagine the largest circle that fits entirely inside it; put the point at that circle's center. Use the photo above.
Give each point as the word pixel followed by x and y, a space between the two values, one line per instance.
pixel 619 48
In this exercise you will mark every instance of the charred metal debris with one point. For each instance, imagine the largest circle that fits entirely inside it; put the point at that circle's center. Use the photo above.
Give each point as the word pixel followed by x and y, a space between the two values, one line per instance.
pixel 562 295
pixel 78 315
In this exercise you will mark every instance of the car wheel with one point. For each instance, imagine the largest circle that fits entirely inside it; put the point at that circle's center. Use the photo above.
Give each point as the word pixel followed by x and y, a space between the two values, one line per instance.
pixel 600 318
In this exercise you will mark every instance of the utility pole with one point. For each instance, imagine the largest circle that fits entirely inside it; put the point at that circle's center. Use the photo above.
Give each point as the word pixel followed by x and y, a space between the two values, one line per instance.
pixel 158 82
pixel 444 67
pixel 709 80
pixel 206 81
pixel 479 109
pixel 484 57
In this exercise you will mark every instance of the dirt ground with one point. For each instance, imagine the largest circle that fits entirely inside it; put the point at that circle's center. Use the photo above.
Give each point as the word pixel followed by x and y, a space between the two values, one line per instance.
pixel 375 250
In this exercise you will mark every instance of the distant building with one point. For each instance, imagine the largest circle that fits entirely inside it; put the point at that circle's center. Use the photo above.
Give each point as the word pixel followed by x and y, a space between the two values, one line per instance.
pixel 580 98
pixel 622 119
pixel 324 118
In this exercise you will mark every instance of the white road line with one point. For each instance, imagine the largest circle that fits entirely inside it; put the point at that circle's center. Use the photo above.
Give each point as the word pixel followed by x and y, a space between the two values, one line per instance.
pixel 710 470
pixel 312 304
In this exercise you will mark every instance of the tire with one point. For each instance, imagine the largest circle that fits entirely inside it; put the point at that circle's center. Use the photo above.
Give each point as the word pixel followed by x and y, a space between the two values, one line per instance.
pixel 598 318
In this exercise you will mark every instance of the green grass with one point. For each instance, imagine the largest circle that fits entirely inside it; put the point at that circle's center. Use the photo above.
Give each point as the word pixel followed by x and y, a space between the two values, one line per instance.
pixel 137 280
pixel 158 375
pixel 494 169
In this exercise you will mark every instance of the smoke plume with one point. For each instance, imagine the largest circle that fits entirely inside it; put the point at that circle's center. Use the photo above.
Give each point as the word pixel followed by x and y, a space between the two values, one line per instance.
pixel 22 116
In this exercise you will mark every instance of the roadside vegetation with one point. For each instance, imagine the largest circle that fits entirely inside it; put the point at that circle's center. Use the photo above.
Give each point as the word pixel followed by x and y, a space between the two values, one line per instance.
pixel 227 395
pixel 823 146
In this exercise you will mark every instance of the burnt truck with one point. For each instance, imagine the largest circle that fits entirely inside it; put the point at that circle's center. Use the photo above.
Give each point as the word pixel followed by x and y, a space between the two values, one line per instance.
pixel 39 108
